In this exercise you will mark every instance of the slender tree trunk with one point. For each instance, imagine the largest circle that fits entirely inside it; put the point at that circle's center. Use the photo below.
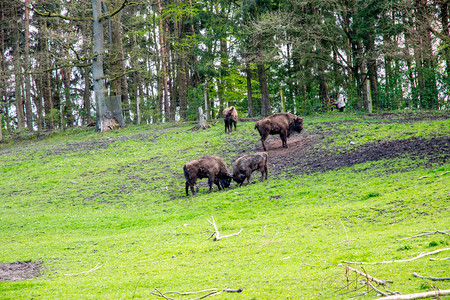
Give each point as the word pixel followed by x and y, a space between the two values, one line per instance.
pixel 266 108
pixel 87 97
pixel 183 87
pixel 138 83
pixel 18 80
pixel 29 113
pixel 323 86
pixel 251 108
pixel 164 97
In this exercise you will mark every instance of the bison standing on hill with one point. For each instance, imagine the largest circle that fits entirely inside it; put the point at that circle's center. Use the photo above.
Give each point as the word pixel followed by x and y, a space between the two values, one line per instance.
pixel 230 117
pixel 245 165
pixel 211 167
pixel 281 123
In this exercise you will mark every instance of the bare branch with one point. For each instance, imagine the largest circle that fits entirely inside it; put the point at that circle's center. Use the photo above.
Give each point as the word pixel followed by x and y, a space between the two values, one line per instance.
pixel 367 276
pixel 426 233
pixel 431 278
pixel 418 295
pixel 394 261
pixel 216 233
pixel 85 272
pixel 210 292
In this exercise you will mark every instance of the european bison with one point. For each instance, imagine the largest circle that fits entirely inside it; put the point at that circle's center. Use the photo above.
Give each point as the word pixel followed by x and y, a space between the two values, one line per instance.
pixel 230 117
pixel 245 165
pixel 211 167
pixel 281 123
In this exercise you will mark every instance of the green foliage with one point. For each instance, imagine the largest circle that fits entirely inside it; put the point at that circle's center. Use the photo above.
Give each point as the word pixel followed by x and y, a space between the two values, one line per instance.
pixel 81 198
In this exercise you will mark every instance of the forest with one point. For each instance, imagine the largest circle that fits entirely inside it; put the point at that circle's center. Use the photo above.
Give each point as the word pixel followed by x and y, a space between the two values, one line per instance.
pixel 67 63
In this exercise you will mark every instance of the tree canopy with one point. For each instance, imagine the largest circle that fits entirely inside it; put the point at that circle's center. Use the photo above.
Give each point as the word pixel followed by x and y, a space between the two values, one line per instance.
pixel 164 59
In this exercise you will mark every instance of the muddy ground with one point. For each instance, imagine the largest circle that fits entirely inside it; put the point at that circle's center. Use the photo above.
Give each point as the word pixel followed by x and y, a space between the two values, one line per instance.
pixel 19 271
pixel 301 157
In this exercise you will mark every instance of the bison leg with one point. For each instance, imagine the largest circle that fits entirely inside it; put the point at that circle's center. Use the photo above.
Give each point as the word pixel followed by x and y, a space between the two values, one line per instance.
pixel 235 125
pixel 226 125
pixel 249 177
pixel 188 185
pixel 211 182
pixel 263 138
pixel 283 136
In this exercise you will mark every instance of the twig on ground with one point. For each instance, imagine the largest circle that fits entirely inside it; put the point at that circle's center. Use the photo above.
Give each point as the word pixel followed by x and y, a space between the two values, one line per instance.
pixel 209 292
pixel 367 276
pixel 418 295
pixel 216 233
pixel 426 233
pixel 394 261
pixel 431 278
pixel 367 281
pixel 445 258
pixel 85 272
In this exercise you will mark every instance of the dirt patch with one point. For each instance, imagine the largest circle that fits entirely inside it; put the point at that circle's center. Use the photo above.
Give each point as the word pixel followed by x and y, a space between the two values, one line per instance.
pixel 19 271
pixel 303 158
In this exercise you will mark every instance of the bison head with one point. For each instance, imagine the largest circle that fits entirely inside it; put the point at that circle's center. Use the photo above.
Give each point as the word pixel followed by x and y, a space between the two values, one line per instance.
pixel 297 125
pixel 239 177
pixel 225 182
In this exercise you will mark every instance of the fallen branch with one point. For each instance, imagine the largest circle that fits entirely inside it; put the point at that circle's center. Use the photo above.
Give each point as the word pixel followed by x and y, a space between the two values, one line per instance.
pixel 367 276
pixel 394 261
pixel 368 281
pixel 85 272
pixel 426 233
pixel 216 233
pixel 209 292
pixel 445 258
pixel 418 295
pixel 431 278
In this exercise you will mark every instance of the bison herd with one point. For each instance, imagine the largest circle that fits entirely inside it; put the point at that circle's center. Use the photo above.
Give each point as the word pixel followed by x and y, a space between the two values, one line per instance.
pixel 215 169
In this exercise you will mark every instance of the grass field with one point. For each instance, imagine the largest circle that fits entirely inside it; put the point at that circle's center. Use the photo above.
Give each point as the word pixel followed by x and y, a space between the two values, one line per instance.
pixel 105 215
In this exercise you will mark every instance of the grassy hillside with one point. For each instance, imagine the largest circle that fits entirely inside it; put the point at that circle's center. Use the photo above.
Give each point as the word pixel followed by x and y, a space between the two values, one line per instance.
pixel 115 201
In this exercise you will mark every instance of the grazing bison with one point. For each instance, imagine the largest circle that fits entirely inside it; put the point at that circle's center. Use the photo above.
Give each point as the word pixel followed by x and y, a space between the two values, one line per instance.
pixel 230 117
pixel 245 165
pixel 281 123
pixel 211 167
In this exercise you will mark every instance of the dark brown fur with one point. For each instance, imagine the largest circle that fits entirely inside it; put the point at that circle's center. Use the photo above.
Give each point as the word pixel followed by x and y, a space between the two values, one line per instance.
pixel 245 165
pixel 282 123
pixel 211 167
pixel 230 117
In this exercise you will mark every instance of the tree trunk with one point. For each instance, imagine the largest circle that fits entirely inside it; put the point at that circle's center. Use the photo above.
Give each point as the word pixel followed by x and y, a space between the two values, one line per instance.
pixel 18 79
pixel 266 108
pixel 251 108
pixel 87 98
pixel 164 97
pixel 29 113
pixel 97 65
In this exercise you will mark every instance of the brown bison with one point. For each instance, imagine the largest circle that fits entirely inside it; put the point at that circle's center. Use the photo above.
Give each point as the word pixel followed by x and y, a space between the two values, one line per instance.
pixel 211 167
pixel 245 165
pixel 281 123
pixel 230 117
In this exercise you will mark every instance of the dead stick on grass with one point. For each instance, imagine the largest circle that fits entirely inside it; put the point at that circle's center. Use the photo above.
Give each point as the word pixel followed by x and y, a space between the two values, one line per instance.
pixel 367 276
pixel 417 296
pixel 85 272
pixel 431 278
pixel 395 261
pixel 426 233
pixel 210 292
pixel 216 233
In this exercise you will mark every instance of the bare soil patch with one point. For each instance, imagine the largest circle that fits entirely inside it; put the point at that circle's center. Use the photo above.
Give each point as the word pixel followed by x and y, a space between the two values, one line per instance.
pixel 303 157
pixel 19 271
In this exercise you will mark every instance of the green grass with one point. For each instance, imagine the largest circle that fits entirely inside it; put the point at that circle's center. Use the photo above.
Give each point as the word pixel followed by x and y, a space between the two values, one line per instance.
pixel 81 198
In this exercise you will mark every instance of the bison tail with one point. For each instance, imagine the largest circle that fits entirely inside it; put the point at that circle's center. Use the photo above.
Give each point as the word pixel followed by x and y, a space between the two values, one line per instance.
pixel 186 174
